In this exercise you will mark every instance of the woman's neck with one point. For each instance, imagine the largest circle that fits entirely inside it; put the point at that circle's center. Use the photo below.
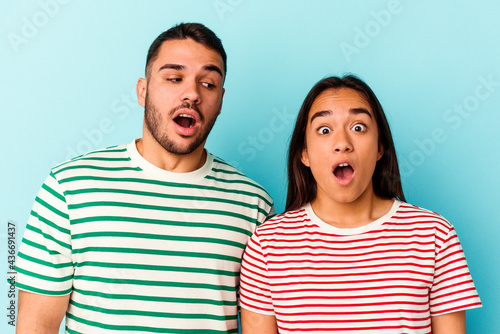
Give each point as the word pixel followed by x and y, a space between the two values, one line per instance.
pixel 362 211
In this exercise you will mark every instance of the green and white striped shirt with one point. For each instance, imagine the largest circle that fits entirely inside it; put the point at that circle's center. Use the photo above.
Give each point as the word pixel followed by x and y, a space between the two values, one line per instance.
pixel 139 248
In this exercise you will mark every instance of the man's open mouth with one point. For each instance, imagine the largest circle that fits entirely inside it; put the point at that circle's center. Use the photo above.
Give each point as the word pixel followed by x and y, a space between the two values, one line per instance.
pixel 185 120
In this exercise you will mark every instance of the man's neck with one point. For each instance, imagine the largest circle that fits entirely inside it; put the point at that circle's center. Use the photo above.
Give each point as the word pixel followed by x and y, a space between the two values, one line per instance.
pixel 158 156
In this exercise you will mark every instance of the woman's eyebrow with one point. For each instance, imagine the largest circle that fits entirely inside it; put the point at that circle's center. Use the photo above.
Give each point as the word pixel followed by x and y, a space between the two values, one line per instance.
pixel 354 111
pixel 357 111
pixel 321 113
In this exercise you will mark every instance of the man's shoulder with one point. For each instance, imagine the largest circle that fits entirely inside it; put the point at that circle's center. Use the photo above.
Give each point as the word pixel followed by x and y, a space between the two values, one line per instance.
pixel 224 172
pixel 101 158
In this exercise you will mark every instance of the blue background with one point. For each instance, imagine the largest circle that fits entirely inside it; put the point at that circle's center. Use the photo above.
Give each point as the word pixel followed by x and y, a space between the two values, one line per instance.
pixel 68 71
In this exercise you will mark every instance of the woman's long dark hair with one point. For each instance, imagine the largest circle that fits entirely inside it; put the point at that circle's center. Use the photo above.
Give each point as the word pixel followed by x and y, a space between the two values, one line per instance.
pixel 301 183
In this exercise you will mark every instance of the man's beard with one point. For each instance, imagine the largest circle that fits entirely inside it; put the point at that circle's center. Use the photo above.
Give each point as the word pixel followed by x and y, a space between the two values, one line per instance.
pixel 154 122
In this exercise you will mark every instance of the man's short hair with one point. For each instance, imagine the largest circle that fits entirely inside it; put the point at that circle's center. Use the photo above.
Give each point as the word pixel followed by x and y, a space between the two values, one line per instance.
pixel 196 31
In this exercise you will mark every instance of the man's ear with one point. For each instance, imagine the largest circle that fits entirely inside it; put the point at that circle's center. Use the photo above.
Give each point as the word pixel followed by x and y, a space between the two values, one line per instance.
pixel 305 158
pixel 141 90
pixel 221 99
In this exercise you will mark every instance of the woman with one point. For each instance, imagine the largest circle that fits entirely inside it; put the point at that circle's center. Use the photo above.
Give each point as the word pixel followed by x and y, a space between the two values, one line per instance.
pixel 349 255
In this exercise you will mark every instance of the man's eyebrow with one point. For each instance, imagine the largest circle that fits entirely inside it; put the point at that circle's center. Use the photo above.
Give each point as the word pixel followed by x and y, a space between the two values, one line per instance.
pixel 172 67
pixel 179 67
pixel 354 111
pixel 213 68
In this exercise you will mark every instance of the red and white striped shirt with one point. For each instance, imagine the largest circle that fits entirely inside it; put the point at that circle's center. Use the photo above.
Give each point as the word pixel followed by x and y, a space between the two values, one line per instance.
pixel 389 276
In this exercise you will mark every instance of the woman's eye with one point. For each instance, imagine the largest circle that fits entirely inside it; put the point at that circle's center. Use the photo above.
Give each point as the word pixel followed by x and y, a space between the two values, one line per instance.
pixel 324 130
pixel 359 127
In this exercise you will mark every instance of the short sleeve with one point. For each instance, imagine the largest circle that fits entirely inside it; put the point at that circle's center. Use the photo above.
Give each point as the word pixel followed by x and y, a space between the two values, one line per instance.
pixel 44 264
pixel 271 213
pixel 453 289
pixel 255 293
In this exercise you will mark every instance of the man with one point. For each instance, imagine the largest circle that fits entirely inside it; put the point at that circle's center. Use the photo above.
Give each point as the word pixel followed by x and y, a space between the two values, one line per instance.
pixel 146 237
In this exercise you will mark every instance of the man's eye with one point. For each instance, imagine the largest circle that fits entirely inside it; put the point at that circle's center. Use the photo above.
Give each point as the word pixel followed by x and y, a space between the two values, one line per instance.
pixel 359 127
pixel 208 85
pixel 174 79
pixel 324 130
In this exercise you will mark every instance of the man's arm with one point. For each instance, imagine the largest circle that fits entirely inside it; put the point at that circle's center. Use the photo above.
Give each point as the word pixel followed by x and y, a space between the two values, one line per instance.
pixel 255 323
pixel 39 313
pixel 451 323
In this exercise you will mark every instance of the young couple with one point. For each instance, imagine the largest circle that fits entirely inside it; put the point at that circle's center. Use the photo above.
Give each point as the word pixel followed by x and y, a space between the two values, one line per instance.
pixel 147 237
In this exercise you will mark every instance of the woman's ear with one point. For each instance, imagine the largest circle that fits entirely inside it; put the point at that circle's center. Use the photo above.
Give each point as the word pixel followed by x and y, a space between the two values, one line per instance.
pixel 380 153
pixel 305 158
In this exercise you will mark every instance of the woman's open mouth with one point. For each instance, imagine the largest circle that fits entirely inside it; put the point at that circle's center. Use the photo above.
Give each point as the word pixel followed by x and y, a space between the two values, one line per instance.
pixel 344 173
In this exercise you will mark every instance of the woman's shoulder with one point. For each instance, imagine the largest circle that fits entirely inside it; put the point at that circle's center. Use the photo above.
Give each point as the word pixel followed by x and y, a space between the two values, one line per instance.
pixel 286 220
pixel 414 214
